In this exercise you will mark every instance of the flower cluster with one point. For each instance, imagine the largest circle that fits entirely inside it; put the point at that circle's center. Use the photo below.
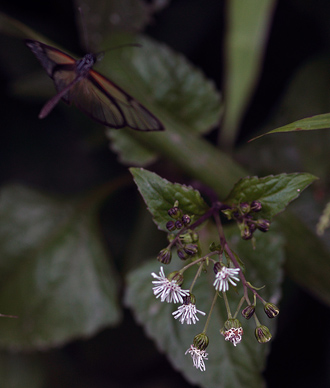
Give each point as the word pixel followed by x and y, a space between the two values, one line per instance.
pixel 245 215
pixel 227 272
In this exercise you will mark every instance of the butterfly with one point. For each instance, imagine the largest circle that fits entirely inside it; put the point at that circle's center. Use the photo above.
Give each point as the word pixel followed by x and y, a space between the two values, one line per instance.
pixel 94 94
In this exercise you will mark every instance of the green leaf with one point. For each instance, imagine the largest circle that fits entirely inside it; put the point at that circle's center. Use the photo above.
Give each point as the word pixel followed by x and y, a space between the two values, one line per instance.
pixel 100 18
pixel 308 258
pixel 248 23
pixel 165 81
pixel 174 90
pixel 22 371
pixel 227 366
pixel 308 124
pixel 129 150
pixel 54 273
pixel 159 194
pixel 274 192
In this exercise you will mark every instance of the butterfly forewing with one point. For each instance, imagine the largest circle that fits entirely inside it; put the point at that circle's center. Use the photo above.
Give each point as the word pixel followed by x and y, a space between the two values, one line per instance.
pixel 94 94
pixel 49 56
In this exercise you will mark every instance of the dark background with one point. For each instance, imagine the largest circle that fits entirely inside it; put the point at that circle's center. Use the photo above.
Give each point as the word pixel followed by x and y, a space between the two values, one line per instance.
pixel 58 160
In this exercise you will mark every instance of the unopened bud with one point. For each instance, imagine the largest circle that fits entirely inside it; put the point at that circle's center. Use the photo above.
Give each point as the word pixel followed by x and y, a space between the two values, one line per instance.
pixel 245 207
pixel 186 219
pixel 217 267
pixel 165 256
pixel 271 310
pixel 262 334
pixel 201 341
pixel 179 224
pixel 232 323
pixel 246 234
pixel 176 276
pixel 191 249
pixel 248 311
pixel 170 225
pixel 175 212
pixel 256 206
pixel 263 225
pixel 182 254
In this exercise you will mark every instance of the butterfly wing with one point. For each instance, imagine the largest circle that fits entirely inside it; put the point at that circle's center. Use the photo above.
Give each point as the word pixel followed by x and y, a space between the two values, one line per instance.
pixel 58 65
pixel 108 104
pixel 93 93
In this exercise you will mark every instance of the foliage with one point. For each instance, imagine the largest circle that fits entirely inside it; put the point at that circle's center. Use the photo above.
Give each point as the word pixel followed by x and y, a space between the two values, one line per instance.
pixel 77 246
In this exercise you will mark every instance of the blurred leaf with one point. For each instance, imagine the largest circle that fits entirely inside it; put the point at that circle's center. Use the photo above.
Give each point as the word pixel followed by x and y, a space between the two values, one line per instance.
pixel 13 27
pixel 175 91
pixel 227 366
pixel 248 23
pixel 101 18
pixel 21 371
pixel 308 259
pixel 157 75
pixel 54 271
pixel 129 150
pixel 274 192
pixel 307 124
pixel 159 194
pixel 324 221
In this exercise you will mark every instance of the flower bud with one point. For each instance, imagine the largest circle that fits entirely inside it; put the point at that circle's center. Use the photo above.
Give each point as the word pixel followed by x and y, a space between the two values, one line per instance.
pixel 170 225
pixel 271 310
pixel 248 311
pixel 230 213
pixel 186 219
pixel 188 237
pixel 232 323
pixel 252 227
pixel 175 212
pixel 191 249
pixel 214 247
pixel 263 225
pixel 245 207
pixel 217 267
pixel 246 234
pixel 262 334
pixel 176 276
pixel 201 341
pixel 165 256
pixel 256 206
pixel 182 254
pixel 189 299
pixel 179 224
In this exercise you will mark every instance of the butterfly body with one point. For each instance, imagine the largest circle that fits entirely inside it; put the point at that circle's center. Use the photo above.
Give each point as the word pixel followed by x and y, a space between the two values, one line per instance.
pixel 94 94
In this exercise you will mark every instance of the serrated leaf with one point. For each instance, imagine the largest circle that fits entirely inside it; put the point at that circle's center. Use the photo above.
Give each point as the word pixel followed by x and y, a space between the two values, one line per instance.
pixel 53 270
pixel 174 90
pixel 274 192
pixel 159 194
pixel 157 75
pixel 308 124
pixel 227 366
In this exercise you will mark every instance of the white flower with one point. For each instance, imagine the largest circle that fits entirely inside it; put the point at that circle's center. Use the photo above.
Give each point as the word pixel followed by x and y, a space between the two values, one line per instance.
pixel 166 289
pixel 188 313
pixel 222 277
pixel 198 357
pixel 234 335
